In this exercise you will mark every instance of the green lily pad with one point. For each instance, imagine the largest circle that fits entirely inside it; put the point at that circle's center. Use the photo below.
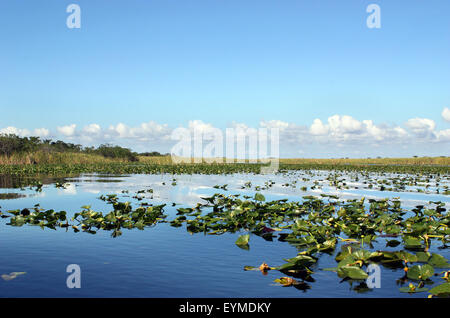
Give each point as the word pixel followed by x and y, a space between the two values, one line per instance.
pixel 412 291
pixel 439 261
pixel 422 257
pixel 286 281
pixel 406 257
pixel 442 289
pixel 420 272
pixel 301 261
pixel 349 259
pixel 12 275
pixel 412 242
pixel 353 272
pixel 259 197
pixel 243 240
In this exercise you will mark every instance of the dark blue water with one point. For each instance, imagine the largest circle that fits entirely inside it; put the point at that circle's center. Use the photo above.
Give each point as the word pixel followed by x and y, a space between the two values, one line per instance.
pixel 163 261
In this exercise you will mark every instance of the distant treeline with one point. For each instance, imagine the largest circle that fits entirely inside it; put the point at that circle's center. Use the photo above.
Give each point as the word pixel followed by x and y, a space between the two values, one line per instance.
pixel 153 154
pixel 13 144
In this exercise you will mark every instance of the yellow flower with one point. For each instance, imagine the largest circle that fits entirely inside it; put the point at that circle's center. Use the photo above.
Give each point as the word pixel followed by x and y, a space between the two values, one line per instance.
pixel 264 267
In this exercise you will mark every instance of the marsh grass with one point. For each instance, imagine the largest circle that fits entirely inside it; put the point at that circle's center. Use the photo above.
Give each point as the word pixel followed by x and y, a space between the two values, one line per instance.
pixel 438 161
pixel 441 161
pixel 59 163
pixel 42 157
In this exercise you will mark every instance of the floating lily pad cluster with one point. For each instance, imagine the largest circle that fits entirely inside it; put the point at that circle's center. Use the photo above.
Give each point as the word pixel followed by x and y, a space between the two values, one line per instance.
pixel 39 217
pixel 89 221
pixel 122 217
pixel 365 179
pixel 315 226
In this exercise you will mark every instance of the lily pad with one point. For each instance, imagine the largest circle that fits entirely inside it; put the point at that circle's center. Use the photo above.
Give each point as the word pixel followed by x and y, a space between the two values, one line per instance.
pixel 353 272
pixel 259 197
pixel 12 275
pixel 412 242
pixel 440 290
pixel 286 281
pixel 406 257
pixel 414 290
pixel 423 257
pixel 420 272
pixel 243 240
pixel 439 261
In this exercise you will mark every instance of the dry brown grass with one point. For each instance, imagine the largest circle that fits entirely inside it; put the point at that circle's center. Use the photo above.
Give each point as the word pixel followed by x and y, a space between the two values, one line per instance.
pixel 444 161
pixel 81 158
pixel 55 158
pixel 161 160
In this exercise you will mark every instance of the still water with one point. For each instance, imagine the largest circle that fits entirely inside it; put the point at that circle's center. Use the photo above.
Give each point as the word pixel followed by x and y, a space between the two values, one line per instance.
pixel 163 261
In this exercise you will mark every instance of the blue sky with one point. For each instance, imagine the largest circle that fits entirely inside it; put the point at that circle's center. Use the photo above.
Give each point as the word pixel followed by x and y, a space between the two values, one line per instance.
pixel 224 62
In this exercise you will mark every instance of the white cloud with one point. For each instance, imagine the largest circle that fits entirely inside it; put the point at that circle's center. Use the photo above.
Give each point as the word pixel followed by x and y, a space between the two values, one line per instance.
pixel 120 130
pixel 145 130
pixel 200 126
pixel 68 130
pixel 422 127
pixel 400 131
pixel 342 129
pixel 41 132
pixel 318 128
pixel 443 135
pixel 374 131
pixel 14 131
pixel 446 114
pixel 289 132
pixel 38 132
pixel 281 125
pixel 344 124
pixel 153 128
pixel 92 129
pixel 240 126
pixel 324 135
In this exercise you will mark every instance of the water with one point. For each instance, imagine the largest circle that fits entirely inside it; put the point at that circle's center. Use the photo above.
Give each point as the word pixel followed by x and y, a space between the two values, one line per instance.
pixel 163 261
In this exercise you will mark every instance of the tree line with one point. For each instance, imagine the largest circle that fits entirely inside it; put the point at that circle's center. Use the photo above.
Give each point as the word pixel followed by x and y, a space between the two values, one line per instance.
pixel 12 144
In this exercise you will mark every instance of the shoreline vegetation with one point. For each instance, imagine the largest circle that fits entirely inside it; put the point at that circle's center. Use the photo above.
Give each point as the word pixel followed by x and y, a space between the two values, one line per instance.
pixel 41 157
pixel 31 155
